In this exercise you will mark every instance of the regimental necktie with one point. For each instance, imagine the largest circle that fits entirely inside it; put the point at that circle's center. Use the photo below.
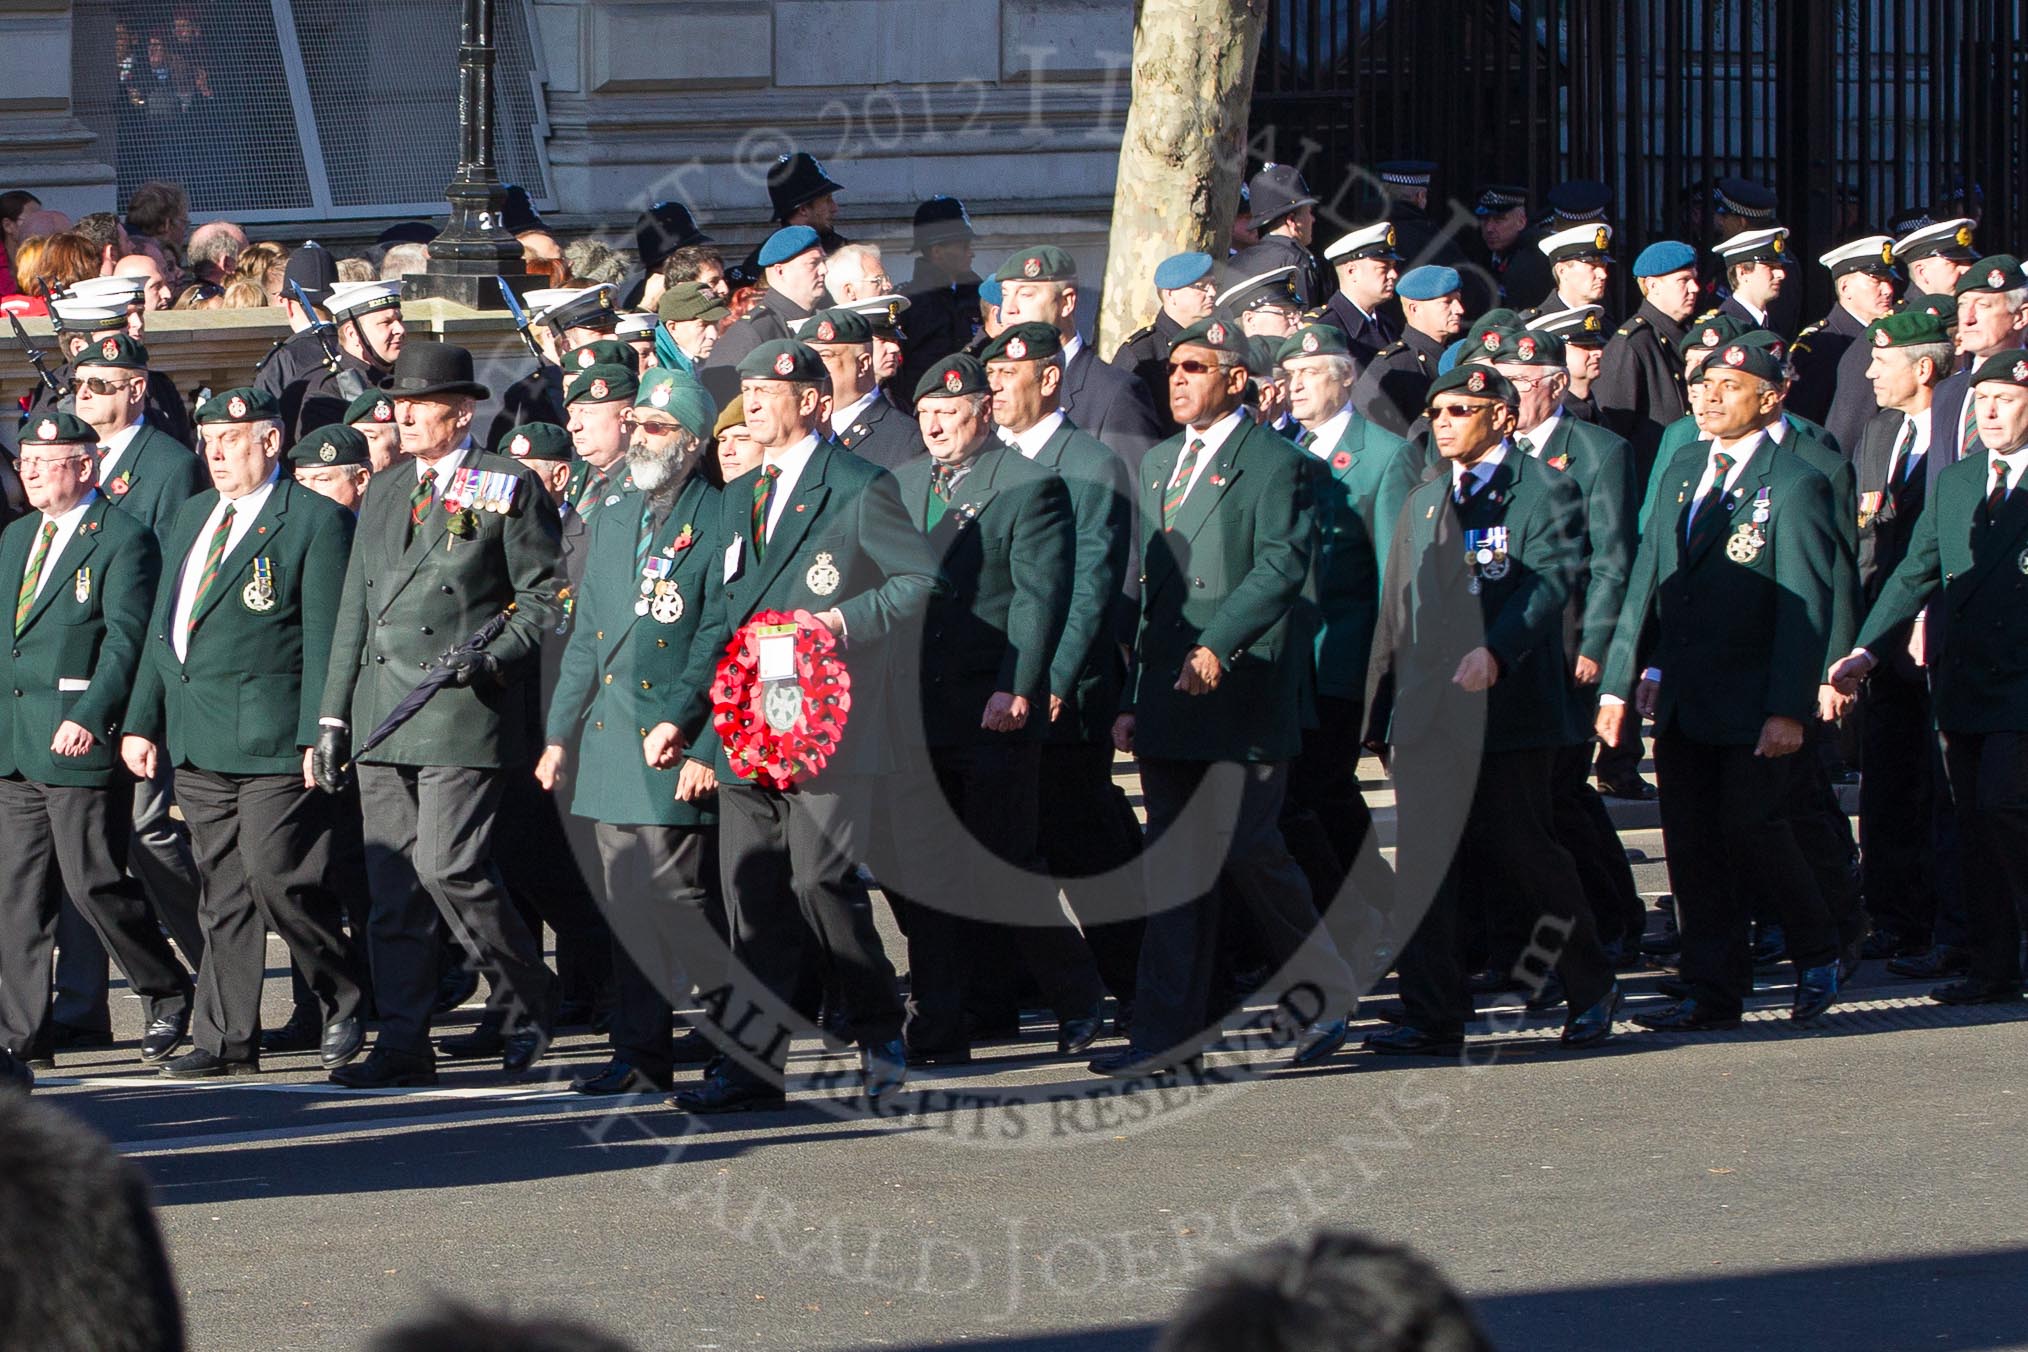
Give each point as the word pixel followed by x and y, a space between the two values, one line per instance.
pixel 25 599
pixel 1179 488
pixel 763 500
pixel 1903 462
pixel 419 501
pixel 1306 440
pixel 1467 490
pixel 645 540
pixel 1996 497
pixel 1968 438
pixel 941 479
pixel 1524 445
pixel 590 493
pixel 1708 517
pixel 214 553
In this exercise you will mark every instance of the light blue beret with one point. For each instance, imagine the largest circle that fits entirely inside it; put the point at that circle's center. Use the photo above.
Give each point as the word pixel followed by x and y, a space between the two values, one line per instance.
pixel 786 243
pixel 1183 269
pixel 1428 282
pixel 1664 256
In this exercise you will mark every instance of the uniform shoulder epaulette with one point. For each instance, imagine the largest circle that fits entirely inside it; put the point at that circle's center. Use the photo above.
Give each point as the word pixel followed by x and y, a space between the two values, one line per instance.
pixel 1711 313
pixel 1314 313
pixel 1810 329
pixel 1627 329
pixel 1138 334
pixel 1391 349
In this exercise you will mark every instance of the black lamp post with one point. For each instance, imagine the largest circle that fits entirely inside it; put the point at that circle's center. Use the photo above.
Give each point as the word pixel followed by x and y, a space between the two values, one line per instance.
pixel 476 246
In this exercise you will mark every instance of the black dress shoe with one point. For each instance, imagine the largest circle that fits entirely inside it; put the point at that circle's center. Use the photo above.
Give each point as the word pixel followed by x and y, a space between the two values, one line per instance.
pixel 1320 1042
pixel 1593 1025
pixel 1688 1016
pixel 1074 1036
pixel 691 1048
pixel 454 987
pixel 1131 1063
pixel 384 1069
pixel 722 1092
pixel 520 1051
pixel 1974 992
pixel 342 1041
pixel 483 1041
pixel 1816 988
pixel 1942 960
pixel 297 1035
pixel 883 1068
pixel 1887 943
pixel 1770 945
pixel 202 1065
pixel 163 1037
pixel 620 1077
pixel 1408 1040
pixel 1629 786
pixel 68 1037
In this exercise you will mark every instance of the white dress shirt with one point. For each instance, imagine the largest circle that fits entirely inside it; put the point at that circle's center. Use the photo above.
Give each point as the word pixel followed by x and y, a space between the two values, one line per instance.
pixel 1479 471
pixel 1538 436
pixel 1916 448
pixel 1741 451
pixel 2015 461
pixel 113 447
pixel 443 468
pixel 1214 438
pixel 244 510
pixel 1031 442
pixel 1071 347
pixel 1326 435
pixel 1759 315
pixel 842 419
pixel 66 526
pixel 790 462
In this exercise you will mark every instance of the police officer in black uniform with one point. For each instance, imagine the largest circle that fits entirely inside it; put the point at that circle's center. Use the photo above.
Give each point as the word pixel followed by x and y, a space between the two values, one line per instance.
pixel 572 318
pixel 942 295
pixel 1862 275
pixel 1184 286
pixel 300 355
pixel 1285 216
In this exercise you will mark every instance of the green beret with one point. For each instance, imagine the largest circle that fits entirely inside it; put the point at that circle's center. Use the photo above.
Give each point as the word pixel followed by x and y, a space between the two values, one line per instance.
pixel 690 300
pixel 1260 356
pixel 602 352
pixel 374 406
pixel 679 395
pixel 1910 328
pixel 846 327
pixel 1712 330
pixel 1995 273
pixel 243 405
pixel 537 441
pixel 1750 358
pixel 1478 379
pixel 58 429
pixel 602 384
pixel 1523 346
pixel 1218 331
pixel 1314 340
pixel 1024 342
pixel 335 444
pixel 955 376
pixel 115 350
pixel 2010 366
pixel 1497 318
pixel 1043 263
pixel 784 359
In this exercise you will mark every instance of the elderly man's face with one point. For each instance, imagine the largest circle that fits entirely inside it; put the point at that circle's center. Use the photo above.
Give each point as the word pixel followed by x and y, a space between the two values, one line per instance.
pixel 240 456
pixel 432 426
pixel 343 484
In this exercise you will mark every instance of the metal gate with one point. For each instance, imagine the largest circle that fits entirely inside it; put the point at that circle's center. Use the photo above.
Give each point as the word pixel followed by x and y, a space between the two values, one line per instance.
pixel 1851 110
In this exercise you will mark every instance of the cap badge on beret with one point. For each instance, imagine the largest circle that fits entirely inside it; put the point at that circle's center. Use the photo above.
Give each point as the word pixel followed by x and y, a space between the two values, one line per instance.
pixel 1526 347
pixel 383 411
pixel 519 446
pixel 327 452
pixel 1216 333
pixel 785 364
pixel 1476 381
pixel 826 331
pixel 1601 238
pixel 587 359
pixel 1881 339
pixel 659 396
pixel 1491 340
pixel 954 380
pixel 236 406
pixel 1735 356
pixel 1017 348
pixel 1996 279
pixel 1965 236
pixel 598 388
pixel 1031 267
pixel 46 430
pixel 1309 342
pixel 2021 371
pixel 109 349
pixel 1710 338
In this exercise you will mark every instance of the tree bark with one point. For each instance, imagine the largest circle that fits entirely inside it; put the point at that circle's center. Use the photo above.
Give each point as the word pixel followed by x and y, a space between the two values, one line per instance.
pixel 1183 154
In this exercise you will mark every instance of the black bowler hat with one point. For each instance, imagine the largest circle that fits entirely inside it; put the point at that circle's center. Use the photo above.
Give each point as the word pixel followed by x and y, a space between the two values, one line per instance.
pixel 796 179
pixel 518 215
pixel 663 229
pixel 1275 191
pixel 428 367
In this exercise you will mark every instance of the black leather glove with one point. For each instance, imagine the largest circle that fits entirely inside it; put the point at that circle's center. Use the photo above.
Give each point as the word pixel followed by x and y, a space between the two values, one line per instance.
pixel 331 757
pixel 467 666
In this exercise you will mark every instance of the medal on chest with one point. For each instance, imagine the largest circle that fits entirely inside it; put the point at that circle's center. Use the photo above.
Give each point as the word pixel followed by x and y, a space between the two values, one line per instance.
pixel 258 595
pixel 1486 558
pixel 823 577
pixel 81 587
pixel 660 600
pixel 1749 538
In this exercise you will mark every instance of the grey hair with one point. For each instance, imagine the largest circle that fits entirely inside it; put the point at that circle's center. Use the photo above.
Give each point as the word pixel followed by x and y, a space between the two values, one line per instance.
pixel 403 258
pixel 1940 355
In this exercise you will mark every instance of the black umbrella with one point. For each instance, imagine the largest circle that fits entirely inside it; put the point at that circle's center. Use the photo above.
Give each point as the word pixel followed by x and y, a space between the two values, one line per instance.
pixel 439 676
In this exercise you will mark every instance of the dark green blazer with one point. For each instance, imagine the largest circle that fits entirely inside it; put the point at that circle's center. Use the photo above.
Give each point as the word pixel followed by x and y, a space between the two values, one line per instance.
pixel 1684 431
pixel 1005 543
pixel 844 515
pixel 1087 671
pixel 74 659
pixel 405 605
pixel 1601 463
pixel 1737 643
pixel 1971 570
pixel 622 670
pixel 1360 484
pixel 1430 618
pixel 1227 577
pixel 245 700
pixel 155 476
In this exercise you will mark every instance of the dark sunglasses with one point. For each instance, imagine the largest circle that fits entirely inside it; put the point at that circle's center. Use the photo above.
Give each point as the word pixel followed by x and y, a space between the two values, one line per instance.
pixel 1436 411
pixel 1193 368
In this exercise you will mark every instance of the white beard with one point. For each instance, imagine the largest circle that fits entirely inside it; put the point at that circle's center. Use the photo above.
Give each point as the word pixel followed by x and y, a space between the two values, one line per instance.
pixel 650 474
